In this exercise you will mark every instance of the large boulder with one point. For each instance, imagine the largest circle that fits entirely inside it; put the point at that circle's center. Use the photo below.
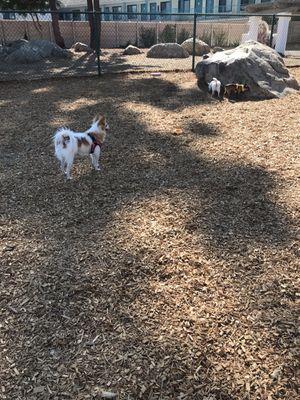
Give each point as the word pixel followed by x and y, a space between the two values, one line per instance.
pixel 3 51
pixel 131 50
pixel 50 49
pixel 15 45
pixel 79 47
pixel 26 54
pixel 167 50
pixel 201 47
pixel 34 51
pixel 251 63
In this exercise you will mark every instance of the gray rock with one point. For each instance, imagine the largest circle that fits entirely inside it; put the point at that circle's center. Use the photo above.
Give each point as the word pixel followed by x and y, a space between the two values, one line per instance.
pixel 36 50
pixel 50 49
pixel 131 50
pixel 217 49
pixel 3 50
pixel 79 47
pixel 24 55
pixel 167 50
pixel 16 44
pixel 201 47
pixel 251 63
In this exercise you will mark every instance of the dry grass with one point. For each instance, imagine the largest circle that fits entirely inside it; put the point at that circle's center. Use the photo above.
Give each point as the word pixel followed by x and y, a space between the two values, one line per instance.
pixel 172 274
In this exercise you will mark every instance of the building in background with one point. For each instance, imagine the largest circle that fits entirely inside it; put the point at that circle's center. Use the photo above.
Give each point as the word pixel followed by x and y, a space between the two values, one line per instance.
pixel 73 10
pixel 171 6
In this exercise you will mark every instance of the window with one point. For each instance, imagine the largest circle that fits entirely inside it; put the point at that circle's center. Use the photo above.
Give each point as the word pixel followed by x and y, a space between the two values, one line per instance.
pixel 153 10
pixel 106 16
pixel 244 3
pixel 225 6
pixel 144 10
pixel 116 16
pixel 86 15
pixel 65 16
pixel 165 7
pixel 76 15
pixel 132 10
pixel 184 6
pixel 198 6
pixel 209 6
pixel 9 15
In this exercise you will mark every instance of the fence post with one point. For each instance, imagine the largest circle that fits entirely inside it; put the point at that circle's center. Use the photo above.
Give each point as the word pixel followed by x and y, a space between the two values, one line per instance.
pixel 194 41
pixel 97 30
pixel 272 30
pixel 3 32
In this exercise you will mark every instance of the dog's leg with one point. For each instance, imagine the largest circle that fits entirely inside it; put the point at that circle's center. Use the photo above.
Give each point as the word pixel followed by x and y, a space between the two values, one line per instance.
pixel 63 166
pixel 95 158
pixel 69 167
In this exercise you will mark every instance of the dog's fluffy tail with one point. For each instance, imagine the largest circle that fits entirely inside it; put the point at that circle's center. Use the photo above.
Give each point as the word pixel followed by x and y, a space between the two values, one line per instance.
pixel 62 142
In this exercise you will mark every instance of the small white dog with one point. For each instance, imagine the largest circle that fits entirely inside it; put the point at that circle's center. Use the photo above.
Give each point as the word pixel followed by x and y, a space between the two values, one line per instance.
pixel 215 87
pixel 69 143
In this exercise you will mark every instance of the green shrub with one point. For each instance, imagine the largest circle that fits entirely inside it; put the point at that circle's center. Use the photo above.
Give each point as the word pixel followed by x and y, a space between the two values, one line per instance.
pixel 206 36
pixel 234 43
pixel 220 38
pixel 168 35
pixel 183 35
pixel 148 36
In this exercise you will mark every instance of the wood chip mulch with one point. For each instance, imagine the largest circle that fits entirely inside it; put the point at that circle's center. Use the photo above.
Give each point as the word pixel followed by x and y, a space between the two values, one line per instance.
pixel 172 273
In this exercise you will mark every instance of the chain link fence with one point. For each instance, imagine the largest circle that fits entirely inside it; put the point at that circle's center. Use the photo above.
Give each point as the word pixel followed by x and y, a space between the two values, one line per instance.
pixel 92 43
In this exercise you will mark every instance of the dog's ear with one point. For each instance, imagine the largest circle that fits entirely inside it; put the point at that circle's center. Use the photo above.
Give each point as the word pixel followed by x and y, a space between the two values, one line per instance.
pixel 97 118
pixel 101 122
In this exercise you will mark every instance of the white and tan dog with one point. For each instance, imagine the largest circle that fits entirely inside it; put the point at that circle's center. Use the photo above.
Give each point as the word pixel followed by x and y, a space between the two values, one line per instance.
pixel 69 143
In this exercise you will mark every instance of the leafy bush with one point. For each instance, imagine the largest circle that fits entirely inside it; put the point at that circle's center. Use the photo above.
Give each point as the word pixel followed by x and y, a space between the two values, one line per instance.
pixel 183 35
pixel 168 35
pixel 206 36
pixel 234 43
pixel 148 36
pixel 220 38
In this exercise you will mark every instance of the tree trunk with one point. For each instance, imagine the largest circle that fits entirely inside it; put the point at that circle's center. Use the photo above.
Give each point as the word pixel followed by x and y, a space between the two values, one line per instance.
pixel 96 5
pixel 55 24
pixel 91 22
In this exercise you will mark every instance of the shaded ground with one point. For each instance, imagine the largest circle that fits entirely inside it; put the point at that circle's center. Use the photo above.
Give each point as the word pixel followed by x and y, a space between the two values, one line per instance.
pixel 114 61
pixel 83 64
pixel 169 275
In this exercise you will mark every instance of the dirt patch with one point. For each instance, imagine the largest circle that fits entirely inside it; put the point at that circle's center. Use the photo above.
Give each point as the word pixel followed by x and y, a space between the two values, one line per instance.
pixel 169 275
